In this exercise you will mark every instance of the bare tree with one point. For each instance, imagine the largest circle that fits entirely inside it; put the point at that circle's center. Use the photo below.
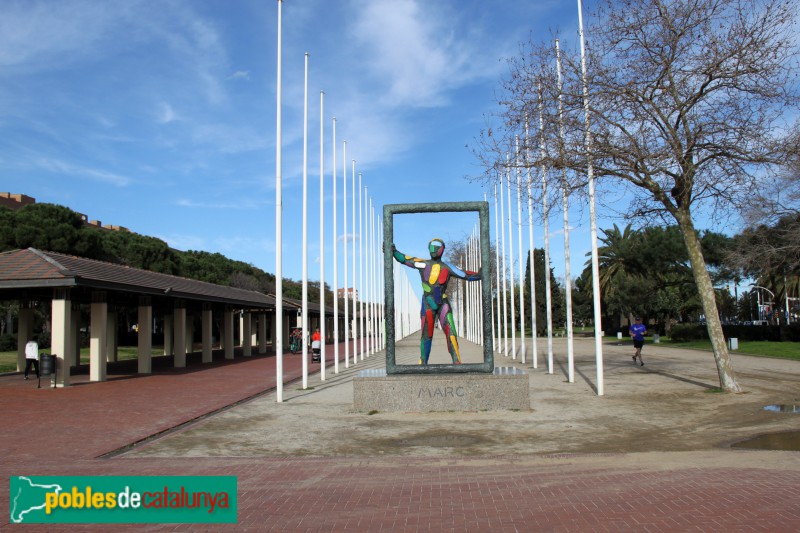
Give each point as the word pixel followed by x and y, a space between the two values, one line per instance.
pixel 688 106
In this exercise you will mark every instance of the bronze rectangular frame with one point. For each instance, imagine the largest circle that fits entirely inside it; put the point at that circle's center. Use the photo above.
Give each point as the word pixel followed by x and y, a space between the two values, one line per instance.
pixel 482 208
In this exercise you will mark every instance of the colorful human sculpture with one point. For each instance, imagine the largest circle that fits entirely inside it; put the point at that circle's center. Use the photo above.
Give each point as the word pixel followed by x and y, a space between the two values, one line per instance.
pixel 435 273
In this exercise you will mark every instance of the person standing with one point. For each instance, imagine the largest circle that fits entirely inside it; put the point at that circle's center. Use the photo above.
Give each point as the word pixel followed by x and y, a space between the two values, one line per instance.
pixel 637 332
pixel 31 357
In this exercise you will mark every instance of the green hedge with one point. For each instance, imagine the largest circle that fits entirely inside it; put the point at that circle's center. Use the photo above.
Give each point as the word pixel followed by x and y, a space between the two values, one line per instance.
pixel 8 343
pixel 694 332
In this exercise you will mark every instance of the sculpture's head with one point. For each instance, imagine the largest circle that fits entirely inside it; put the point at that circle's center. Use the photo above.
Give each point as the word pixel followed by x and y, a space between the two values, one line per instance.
pixel 436 248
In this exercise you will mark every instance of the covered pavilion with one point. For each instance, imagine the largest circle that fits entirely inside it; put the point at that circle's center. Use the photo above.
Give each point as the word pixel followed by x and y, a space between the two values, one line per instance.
pixel 70 285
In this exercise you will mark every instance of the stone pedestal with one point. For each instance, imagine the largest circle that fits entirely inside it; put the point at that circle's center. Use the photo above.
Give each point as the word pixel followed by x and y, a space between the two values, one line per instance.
pixel 505 388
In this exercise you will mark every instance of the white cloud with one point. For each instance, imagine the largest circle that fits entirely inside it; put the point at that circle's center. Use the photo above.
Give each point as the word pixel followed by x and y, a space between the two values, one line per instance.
pixel 166 114
pixel 421 50
pixel 41 35
pixel 58 166
pixel 230 139
pixel 246 203
pixel 240 75
pixel 184 242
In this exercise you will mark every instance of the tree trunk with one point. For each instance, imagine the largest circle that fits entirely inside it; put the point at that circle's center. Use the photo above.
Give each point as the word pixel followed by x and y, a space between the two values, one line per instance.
pixel 727 379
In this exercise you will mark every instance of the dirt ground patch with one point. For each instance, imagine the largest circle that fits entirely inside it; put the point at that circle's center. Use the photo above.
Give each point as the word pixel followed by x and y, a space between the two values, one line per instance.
pixel 668 405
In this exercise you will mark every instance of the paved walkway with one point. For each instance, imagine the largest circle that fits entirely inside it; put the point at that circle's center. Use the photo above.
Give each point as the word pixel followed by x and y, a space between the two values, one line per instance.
pixel 67 431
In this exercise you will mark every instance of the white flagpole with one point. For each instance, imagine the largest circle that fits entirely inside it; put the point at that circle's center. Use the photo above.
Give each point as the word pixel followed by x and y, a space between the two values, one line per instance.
pixel 521 262
pixel 353 285
pixel 372 278
pixel 565 199
pixel 344 247
pixel 322 317
pixel 503 259
pixel 535 354
pixel 494 332
pixel 376 296
pixel 598 316
pixel 546 273
pixel 369 255
pixel 305 226
pixel 497 270
pixel 335 264
pixel 511 269
pixel 361 265
pixel 278 233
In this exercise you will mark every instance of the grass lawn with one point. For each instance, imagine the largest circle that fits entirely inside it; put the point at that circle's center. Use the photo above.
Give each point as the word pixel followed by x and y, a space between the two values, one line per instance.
pixel 782 350
pixel 8 360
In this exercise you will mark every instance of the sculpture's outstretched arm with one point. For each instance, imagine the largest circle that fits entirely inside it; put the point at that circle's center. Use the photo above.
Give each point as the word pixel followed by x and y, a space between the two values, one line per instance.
pixel 413 262
pixel 468 275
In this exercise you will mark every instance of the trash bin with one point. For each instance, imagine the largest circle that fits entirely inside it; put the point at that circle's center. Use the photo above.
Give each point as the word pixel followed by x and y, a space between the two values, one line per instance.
pixel 733 343
pixel 619 338
pixel 656 338
pixel 47 367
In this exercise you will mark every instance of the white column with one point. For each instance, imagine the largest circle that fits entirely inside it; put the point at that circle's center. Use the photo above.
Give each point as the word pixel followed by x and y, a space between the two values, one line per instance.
pixel 97 340
pixel 145 336
pixel 61 335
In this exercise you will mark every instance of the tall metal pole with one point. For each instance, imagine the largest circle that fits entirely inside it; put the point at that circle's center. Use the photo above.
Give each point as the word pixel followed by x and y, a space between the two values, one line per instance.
pixel 370 274
pixel 598 315
pixel 322 317
pixel 361 287
pixel 305 227
pixel 344 247
pixel 511 269
pixel 497 269
pixel 335 263
pixel 503 259
pixel 353 286
pixel 565 199
pixel 521 262
pixel 532 249
pixel 278 232
pixel 546 214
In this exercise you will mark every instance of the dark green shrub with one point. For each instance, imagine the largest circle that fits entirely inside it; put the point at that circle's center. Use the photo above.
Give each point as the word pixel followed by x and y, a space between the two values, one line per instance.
pixel 8 343
pixel 688 332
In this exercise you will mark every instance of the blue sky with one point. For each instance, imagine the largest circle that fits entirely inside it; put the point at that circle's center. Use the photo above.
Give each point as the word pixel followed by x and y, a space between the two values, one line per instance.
pixel 159 115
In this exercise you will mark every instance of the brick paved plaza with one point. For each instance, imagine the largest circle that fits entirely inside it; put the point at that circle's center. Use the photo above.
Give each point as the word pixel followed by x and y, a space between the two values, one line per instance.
pixel 697 487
